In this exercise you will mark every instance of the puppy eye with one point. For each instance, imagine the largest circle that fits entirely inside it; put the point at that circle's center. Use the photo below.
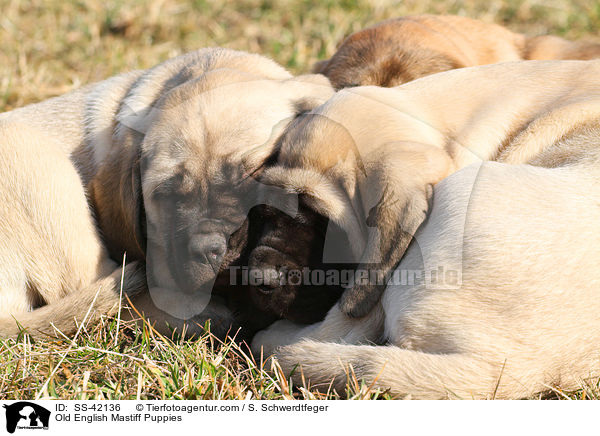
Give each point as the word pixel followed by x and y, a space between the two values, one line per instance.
pixel 163 190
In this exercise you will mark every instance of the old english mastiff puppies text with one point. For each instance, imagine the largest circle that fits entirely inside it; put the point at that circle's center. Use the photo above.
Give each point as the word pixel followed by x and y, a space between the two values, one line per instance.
pixel 400 50
pixel 145 163
pixel 519 310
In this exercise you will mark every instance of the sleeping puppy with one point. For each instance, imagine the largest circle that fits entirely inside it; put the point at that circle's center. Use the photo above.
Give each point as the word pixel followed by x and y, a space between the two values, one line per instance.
pixel 369 157
pixel 524 318
pixel 400 50
pixel 149 164
pixel 521 314
pixel 286 253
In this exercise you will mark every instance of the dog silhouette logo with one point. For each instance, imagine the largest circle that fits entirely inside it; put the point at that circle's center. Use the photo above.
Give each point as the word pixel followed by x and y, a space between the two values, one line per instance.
pixel 26 415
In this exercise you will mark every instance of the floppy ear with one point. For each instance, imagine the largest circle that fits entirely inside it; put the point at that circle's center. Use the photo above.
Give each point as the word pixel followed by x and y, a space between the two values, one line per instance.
pixel 396 195
pixel 307 92
pixel 256 159
pixel 116 196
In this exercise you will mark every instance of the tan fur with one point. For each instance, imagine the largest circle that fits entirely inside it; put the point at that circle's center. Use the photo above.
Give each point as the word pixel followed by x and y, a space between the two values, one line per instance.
pixel 400 50
pixel 519 233
pixel 80 172
pixel 43 205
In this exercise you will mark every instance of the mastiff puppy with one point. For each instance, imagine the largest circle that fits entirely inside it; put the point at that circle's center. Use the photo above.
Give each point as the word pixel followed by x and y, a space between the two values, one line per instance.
pixel 505 304
pixel 400 50
pixel 283 255
pixel 145 163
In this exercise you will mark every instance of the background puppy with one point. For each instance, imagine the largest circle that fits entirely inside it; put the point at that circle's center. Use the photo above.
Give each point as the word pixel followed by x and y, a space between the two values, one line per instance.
pixel 157 153
pixel 400 50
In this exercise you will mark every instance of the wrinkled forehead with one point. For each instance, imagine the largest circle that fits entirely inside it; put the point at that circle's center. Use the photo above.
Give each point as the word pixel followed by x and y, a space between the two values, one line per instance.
pixel 225 118
pixel 187 171
pixel 209 189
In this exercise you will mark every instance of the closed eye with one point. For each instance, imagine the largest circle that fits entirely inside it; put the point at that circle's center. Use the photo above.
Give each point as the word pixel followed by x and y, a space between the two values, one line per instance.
pixel 163 189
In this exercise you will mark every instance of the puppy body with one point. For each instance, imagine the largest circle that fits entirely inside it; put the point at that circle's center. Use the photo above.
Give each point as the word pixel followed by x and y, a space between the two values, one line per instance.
pixel 521 314
pixel 43 205
pixel 400 50
pixel 146 149
pixel 375 183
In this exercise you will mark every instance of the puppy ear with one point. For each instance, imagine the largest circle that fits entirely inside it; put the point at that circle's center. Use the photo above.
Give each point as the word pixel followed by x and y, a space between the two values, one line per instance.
pixel 256 159
pixel 116 196
pixel 320 66
pixel 396 194
pixel 306 93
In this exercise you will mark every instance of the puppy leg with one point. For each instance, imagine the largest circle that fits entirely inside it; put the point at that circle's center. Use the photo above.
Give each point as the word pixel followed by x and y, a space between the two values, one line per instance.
pixel 90 303
pixel 336 327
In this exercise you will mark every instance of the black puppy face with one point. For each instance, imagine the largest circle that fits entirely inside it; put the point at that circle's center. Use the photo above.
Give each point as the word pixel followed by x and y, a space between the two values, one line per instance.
pixel 244 319
pixel 282 261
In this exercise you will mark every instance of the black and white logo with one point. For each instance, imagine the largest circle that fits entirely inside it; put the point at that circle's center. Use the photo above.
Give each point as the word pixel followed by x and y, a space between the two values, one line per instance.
pixel 26 415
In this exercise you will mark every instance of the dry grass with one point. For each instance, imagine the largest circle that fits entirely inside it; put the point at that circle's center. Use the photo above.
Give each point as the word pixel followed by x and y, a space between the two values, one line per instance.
pixel 134 363
pixel 106 363
pixel 52 46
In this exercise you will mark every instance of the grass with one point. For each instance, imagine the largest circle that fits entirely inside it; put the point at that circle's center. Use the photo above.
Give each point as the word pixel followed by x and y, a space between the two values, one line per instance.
pixel 52 46
pixel 104 362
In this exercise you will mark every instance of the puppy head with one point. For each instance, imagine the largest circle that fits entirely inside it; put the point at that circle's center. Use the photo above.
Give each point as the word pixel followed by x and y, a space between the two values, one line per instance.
pixel 375 191
pixel 384 55
pixel 196 192
pixel 287 273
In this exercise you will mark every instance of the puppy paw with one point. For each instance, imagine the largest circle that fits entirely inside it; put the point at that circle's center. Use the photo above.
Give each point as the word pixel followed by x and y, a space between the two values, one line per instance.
pixel 282 332
pixel 134 278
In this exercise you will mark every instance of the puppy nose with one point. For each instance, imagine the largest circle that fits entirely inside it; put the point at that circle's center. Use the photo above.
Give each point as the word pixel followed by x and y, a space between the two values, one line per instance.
pixel 267 280
pixel 209 248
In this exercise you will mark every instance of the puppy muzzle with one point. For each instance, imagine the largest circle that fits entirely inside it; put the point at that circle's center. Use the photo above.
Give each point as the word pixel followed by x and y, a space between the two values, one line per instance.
pixel 208 249
pixel 267 270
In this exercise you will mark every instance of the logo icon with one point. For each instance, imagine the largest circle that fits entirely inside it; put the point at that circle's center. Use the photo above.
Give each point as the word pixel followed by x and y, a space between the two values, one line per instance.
pixel 26 415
